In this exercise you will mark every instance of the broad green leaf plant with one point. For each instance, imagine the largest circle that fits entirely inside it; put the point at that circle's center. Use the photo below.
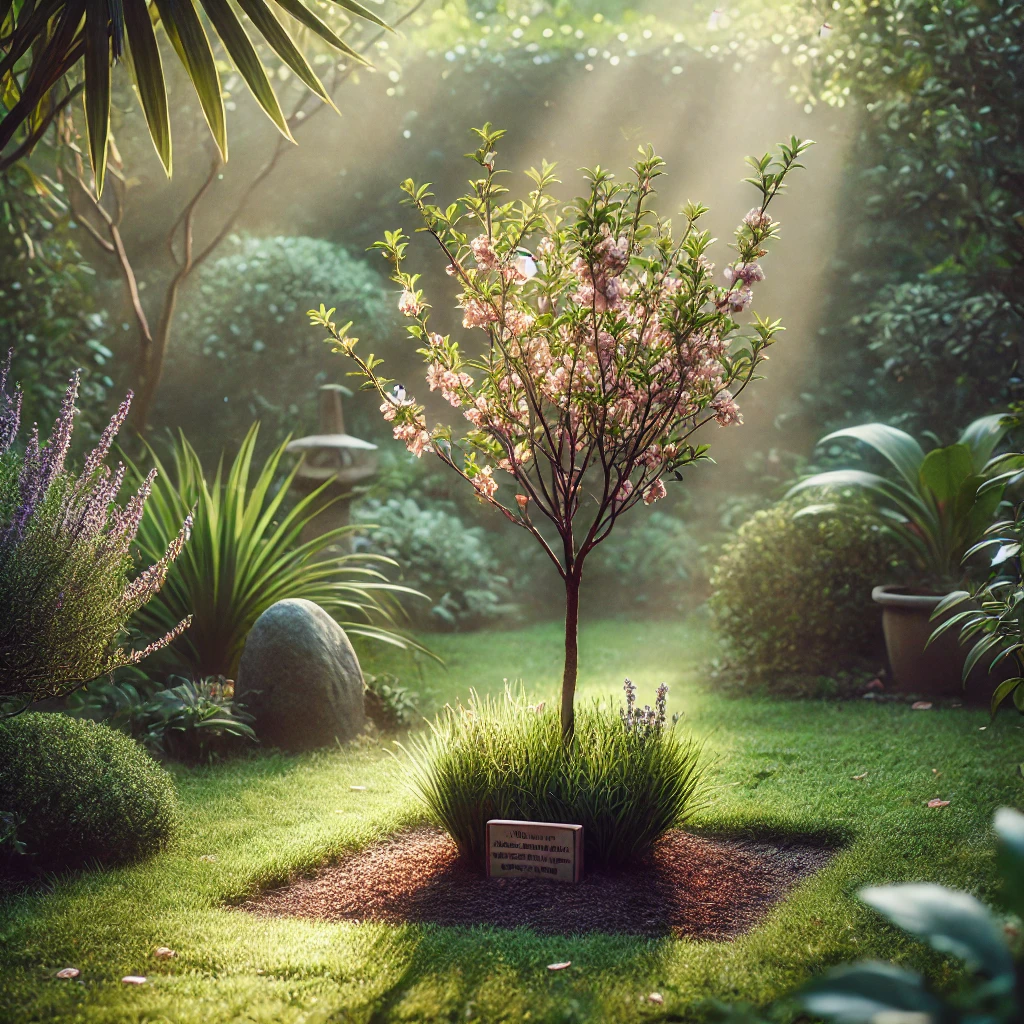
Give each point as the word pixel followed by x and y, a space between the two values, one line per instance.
pixel 936 504
pixel 990 620
pixel 246 553
pixel 605 342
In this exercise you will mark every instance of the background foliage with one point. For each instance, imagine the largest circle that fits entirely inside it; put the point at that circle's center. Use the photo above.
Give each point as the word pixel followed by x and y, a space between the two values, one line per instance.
pixel 242 349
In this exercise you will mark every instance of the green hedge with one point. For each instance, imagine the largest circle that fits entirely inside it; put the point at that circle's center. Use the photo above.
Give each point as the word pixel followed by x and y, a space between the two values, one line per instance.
pixel 792 596
pixel 81 793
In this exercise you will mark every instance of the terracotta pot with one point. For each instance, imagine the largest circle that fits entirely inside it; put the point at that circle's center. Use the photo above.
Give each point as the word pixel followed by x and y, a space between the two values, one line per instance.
pixel 933 671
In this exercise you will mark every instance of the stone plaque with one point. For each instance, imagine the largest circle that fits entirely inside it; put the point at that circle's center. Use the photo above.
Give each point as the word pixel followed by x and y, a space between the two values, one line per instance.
pixel 534 849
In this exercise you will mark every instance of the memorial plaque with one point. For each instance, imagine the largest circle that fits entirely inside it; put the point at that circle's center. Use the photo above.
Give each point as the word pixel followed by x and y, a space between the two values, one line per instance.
pixel 534 849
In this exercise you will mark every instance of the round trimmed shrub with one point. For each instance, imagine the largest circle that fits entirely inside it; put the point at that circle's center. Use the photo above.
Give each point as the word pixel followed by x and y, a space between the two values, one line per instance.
pixel 792 594
pixel 81 792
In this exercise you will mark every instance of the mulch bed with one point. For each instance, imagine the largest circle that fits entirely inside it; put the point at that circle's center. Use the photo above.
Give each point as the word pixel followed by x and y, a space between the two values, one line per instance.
pixel 711 889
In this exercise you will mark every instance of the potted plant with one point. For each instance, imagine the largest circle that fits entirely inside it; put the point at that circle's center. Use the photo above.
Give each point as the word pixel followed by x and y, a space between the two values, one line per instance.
pixel 937 506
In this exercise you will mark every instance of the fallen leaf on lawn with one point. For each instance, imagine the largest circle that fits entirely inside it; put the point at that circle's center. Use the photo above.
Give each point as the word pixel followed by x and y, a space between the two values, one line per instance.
pixel 876 684
pixel 936 772
pixel 560 967
pixel 68 972
pixel 921 705
pixel 357 787
pixel 209 857
pixel 982 728
pixel 164 953
pixel 938 803
pixel 859 777
pixel 133 979
pixel 656 997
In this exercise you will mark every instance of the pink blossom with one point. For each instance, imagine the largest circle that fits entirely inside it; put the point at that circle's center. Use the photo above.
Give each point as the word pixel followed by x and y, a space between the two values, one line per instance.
pixel 483 252
pixel 738 299
pixel 478 413
pixel 416 439
pixel 477 312
pixel 451 270
pixel 545 249
pixel 748 273
pixel 435 340
pixel 624 491
pixel 727 411
pixel 518 321
pixel 485 483
pixel 389 410
pixel 758 219
pixel 655 491
pixel 408 304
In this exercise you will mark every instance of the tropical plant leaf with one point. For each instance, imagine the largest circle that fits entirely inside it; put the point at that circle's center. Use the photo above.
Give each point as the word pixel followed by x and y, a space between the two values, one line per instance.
pixel 952 922
pixel 281 43
pixel 246 60
pixel 1009 826
pixel 185 31
pixel 148 73
pixel 944 471
pixel 982 436
pixel 900 449
pixel 97 87
pixel 1003 690
pixel 362 12
pixel 864 992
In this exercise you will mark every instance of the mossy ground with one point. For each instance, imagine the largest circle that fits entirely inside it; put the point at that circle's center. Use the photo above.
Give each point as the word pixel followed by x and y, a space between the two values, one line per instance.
pixel 783 767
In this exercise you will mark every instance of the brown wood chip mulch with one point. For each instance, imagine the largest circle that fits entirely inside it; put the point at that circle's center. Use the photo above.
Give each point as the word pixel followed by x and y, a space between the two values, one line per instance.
pixel 702 888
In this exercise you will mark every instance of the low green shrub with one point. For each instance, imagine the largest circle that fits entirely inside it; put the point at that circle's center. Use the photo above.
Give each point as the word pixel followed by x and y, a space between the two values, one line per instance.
pixel 625 778
pixel 389 705
pixel 439 554
pixel 792 595
pixel 192 721
pixel 81 792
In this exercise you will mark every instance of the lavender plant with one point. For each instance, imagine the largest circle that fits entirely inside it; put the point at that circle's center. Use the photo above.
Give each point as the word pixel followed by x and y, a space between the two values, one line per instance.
pixel 67 580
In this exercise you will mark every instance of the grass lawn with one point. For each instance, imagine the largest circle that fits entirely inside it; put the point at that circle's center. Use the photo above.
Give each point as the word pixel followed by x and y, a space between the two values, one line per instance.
pixel 783 767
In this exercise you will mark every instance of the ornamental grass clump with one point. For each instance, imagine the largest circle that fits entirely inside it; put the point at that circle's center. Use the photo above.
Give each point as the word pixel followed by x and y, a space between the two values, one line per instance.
pixel 627 778
pixel 68 585
pixel 601 352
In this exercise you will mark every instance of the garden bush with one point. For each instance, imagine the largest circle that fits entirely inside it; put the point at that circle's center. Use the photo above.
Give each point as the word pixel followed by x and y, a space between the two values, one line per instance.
pixel 792 594
pixel 81 792
pixel 452 563
pixel 242 324
pixel 626 778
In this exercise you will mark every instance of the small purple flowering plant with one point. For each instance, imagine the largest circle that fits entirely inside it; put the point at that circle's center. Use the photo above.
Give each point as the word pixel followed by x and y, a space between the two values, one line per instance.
pixel 645 721
pixel 68 585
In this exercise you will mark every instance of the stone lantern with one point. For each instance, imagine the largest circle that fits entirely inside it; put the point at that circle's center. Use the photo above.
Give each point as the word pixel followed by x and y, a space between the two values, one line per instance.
pixel 335 458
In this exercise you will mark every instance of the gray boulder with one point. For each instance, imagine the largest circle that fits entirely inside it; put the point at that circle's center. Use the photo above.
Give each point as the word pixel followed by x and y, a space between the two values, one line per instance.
pixel 300 678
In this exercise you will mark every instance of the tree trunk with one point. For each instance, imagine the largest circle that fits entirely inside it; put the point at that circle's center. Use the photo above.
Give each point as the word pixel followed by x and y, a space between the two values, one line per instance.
pixel 572 618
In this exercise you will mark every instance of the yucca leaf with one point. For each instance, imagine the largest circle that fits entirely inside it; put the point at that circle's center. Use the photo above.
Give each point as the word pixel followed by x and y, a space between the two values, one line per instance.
pixel 148 72
pixel 97 87
pixel 243 54
pixel 281 43
pixel 185 31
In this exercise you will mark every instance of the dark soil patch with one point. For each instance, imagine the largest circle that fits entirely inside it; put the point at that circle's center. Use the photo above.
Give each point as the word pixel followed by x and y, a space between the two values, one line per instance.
pixel 692 886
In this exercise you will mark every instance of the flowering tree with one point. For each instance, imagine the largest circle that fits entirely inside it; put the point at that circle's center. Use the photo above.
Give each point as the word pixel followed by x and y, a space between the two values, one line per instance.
pixel 606 348
pixel 67 584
